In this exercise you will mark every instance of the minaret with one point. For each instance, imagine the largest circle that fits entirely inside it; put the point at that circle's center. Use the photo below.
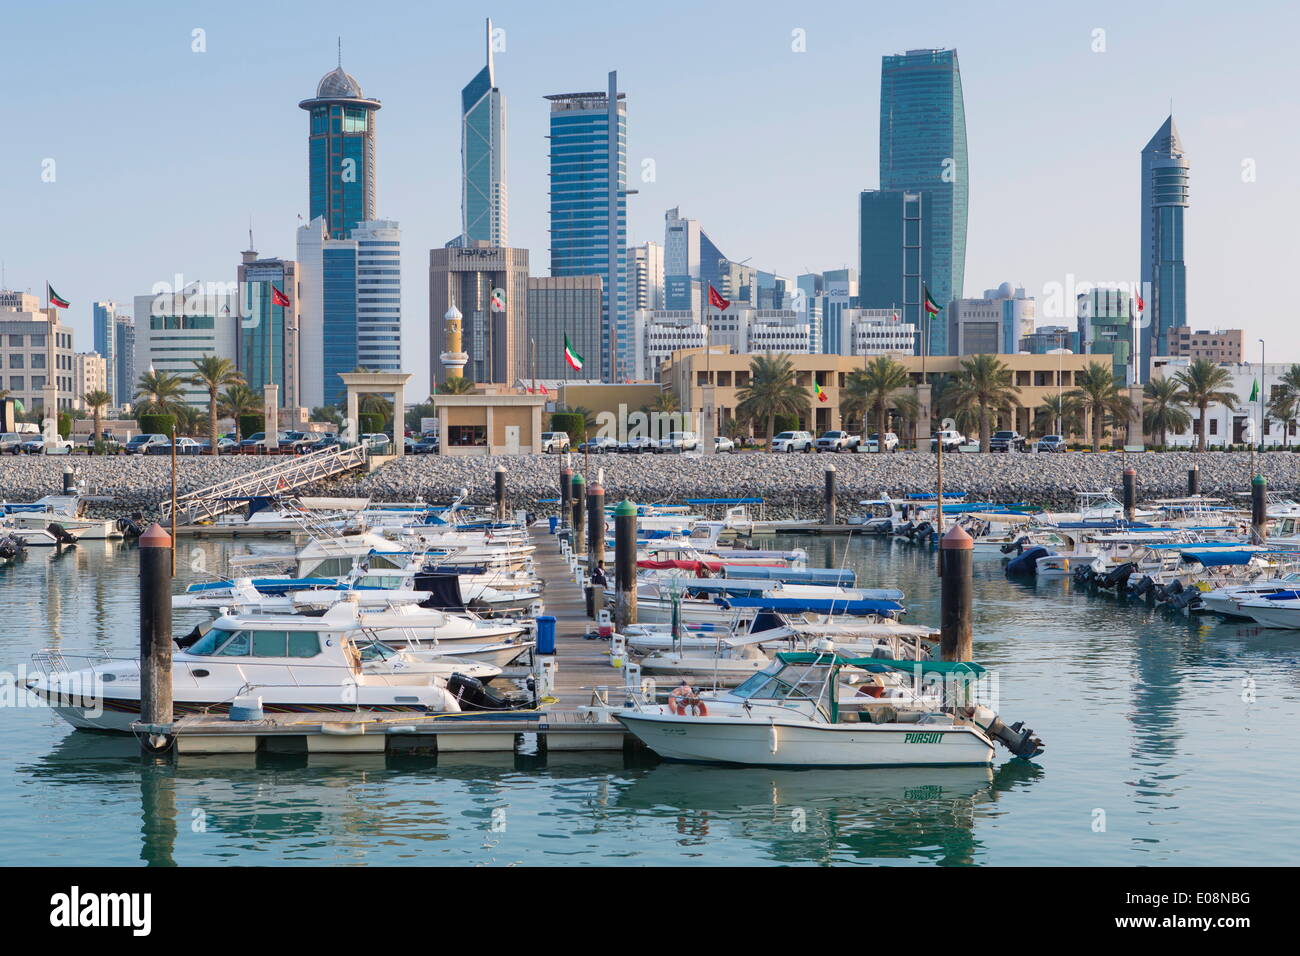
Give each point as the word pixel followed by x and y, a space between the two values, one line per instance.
pixel 453 360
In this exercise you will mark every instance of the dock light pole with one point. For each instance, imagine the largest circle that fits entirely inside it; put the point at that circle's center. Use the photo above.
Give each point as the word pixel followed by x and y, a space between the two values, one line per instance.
pixel 173 534
pixel 156 557
pixel 625 564
pixel 1130 494
pixel 1259 509
pixel 579 499
pixel 499 477
pixel 828 496
pixel 566 492
pixel 595 545
pixel 1193 481
pixel 955 634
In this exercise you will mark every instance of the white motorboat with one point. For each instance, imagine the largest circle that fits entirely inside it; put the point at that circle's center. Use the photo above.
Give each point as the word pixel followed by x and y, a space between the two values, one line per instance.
pixel 1276 610
pixel 1225 600
pixel 69 511
pixel 818 709
pixel 40 537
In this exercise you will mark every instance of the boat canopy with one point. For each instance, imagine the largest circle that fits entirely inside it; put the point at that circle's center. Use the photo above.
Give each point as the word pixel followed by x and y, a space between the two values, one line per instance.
pixel 1219 558
pixel 724 501
pixel 815 605
pixel 877 664
pixel 268 585
pixel 840 577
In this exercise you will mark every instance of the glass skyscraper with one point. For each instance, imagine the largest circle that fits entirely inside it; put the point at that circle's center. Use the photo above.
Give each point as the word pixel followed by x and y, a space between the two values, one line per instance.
pixel 483 158
pixel 266 340
pixel 1164 276
pixel 341 153
pixel 105 326
pixel 922 150
pixel 589 209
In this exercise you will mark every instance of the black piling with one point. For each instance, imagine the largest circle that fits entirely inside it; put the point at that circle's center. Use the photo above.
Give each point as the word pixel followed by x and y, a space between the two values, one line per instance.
pixel 1259 509
pixel 955 628
pixel 595 546
pixel 1130 494
pixel 1194 480
pixel 579 507
pixel 155 633
pixel 828 496
pixel 500 488
pixel 625 564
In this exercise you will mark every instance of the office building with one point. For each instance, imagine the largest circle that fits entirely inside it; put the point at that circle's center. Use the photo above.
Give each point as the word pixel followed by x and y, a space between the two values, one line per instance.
pixel 894 247
pixel 90 374
pixel 646 276
pixel 692 262
pixel 125 373
pixel 1165 172
pixel 341 153
pixel 484 207
pixel 1223 346
pixel 176 328
pixel 488 285
pixel 1046 338
pixel 36 356
pixel 379 295
pixel 994 324
pixel 1106 327
pixel 266 338
pixel 874 332
pixel 104 325
pixel 588 207
pixel 1232 426
pixel 560 306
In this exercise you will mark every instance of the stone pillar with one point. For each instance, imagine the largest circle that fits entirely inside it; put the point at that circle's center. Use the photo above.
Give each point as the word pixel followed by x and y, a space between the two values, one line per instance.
pixel 271 416
pixel 924 399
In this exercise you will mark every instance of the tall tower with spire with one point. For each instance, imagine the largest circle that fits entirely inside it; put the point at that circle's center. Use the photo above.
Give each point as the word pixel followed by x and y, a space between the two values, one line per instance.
pixel 484 207
pixel 1164 277
pixel 341 152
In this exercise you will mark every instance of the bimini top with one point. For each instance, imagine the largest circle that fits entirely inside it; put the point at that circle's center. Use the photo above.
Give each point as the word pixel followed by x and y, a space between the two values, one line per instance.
pixel 856 607
pixel 878 664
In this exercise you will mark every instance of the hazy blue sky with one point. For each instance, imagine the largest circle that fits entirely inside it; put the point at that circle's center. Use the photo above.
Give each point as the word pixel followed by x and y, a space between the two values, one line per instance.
pixel 163 154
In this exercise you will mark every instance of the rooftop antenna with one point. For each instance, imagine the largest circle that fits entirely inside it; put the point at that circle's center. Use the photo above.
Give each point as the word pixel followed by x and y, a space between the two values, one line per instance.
pixel 340 52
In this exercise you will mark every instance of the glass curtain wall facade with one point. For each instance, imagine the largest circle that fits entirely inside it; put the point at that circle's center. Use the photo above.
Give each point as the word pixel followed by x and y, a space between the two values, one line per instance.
pixel 105 327
pixel 124 382
pixel 483 158
pixel 1164 276
pixel 338 318
pixel 341 153
pixel 379 296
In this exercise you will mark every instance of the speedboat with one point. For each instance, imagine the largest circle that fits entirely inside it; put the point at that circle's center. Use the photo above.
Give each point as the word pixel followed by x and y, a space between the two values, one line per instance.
pixel 820 709
pixel 68 511
pixel 1225 600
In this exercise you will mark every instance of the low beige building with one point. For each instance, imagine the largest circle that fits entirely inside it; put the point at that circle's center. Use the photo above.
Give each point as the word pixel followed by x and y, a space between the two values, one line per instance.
pixel 490 422
pixel 689 372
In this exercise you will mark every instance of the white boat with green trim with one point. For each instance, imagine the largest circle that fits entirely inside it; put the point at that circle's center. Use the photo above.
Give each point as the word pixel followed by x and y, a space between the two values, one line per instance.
pixel 821 709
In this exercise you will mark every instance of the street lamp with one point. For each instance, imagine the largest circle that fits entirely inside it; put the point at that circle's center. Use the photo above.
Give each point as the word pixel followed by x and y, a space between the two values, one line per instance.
pixel 1262 371
pixel 1060 388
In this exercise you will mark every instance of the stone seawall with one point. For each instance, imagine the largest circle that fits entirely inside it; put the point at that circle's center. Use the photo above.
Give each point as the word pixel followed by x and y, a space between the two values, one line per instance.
pixel 791 484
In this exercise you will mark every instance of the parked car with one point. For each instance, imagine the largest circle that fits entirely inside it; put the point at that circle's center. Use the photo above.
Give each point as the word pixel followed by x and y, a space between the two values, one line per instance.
pixel 838 441
pixel 721 444
pixel 139 444
pixel 184 446
pixel 1007 441
pixel 605 444
pixel 295 442
pixel 323 441
pixel 678 442
pixel 424 445
pixel 111 442
pixel 793 441
pixel 37 445
pixel 634 446
pixel 377 442
pixel 554 443
pixel 872 444
pixel 952 439
pixel 12 441
pixel 1051 443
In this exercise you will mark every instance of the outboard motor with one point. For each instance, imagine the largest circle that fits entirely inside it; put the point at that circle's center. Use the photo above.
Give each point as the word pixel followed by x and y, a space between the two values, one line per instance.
pixel 1026 564
pixel 12 547
pixel 1017 738
pixel 473 695
pixel 1145 587
pixel 921 534
pixel 1118 578
pixel 131 527
pixel 61 536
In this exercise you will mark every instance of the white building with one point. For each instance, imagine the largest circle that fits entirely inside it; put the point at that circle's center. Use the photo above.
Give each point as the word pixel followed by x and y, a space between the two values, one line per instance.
pixel 660 333
pixel 875 332
pixel 645 266
pixel 993 325
pixel 90 374
pixel 36 363
pixel 379 295
pixel 172 329
pixel 1241 425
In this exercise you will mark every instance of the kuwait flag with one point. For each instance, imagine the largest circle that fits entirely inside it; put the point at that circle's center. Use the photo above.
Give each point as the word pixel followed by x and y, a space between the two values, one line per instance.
pixel 54 298
pixel 931 306
pixel 571 355
pixel 820 393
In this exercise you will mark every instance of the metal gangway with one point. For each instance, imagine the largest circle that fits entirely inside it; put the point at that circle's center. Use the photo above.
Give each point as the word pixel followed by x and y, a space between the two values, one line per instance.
pixel 279 479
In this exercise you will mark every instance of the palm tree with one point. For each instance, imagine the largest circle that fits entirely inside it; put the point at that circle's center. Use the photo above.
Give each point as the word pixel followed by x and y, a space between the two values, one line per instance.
pixel 771 391
pixel 96 401
pixel 1164 409
pixel 871 390
pixel 327 413
pixel 236 402
pixel 943 401
pixel 457 385
pixel 1096 396
pixel 214 373
pixel 158 393
pixel 1058 413
pixel 1206 383
pixel 665 402
pixel 1286 405
pixel 735 429
pixel 986 385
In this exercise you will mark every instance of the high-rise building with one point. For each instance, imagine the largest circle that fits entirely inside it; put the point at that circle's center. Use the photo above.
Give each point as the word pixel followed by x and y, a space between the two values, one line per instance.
pixel 560 306
pixel 266 338
pixel 894 244
pixel 1164 276
pixel 124 375
pixel 1045 338
pixel 489 286
pixel 36 357
pixel 175 328
pixel 349 306
pixel 588 174
pixel 875 332
pixel 1105 318
pixel 646 280
pixel 692 262
pixel 90 374
pixel 995 324
pixel 923 149
pixel 1223 346
pixel 105 336
pixel 341 153
pixel 484 210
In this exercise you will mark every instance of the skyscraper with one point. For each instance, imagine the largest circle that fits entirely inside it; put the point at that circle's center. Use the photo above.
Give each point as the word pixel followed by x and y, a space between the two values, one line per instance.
pixel 125 378
pixel 1164 277
pixel 484 211
pixel 895 246
pixel 488 285
pixel 341 153
pixel 692 262
pixel 105 327
pixel 923 150
pixel 588 175
pixel 266 339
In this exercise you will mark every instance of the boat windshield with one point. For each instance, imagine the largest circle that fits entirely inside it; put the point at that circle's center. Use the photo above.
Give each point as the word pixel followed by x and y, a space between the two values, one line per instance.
pixel 372 650
pixel 805 681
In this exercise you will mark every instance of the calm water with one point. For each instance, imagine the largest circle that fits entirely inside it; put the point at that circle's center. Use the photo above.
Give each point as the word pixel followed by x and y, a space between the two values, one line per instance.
pixel 1147 719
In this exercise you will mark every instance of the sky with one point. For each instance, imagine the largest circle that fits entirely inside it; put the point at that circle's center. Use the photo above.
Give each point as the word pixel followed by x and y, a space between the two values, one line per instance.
pixel 163 155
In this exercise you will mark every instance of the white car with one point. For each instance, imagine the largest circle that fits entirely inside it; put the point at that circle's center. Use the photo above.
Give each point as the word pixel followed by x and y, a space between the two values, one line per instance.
pixel 554 443
pixel 872 442
pixel 678 442
pixel 952 440
pixel 721 444
pixel 793 441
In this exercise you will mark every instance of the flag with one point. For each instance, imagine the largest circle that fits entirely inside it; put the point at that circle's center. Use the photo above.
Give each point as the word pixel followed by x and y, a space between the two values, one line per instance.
pixel 1254 391
pixel 54 298
pixel 1141 305
pixel 543 389
pixel 498 300
pixel 931 306
pixel 820 393
pixel 571 355
pixel 894 317
pixel 278 297
pixel 716 300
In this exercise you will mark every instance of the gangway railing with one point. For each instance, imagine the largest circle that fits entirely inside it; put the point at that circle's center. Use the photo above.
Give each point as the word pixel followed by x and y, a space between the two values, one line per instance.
pixel 278 479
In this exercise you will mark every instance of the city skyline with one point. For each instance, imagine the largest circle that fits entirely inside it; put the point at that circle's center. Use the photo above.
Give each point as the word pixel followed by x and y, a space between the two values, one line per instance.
pixel 785 201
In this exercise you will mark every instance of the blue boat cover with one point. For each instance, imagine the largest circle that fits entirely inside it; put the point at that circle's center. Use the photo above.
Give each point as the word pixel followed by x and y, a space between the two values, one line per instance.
pixel 823 606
